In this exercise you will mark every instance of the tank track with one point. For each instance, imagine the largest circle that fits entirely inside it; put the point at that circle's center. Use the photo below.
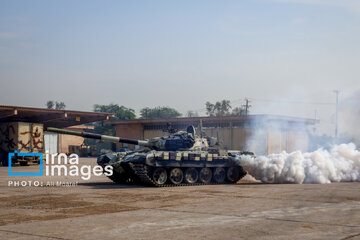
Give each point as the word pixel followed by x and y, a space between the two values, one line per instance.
pixel 141 172
pixel 119 179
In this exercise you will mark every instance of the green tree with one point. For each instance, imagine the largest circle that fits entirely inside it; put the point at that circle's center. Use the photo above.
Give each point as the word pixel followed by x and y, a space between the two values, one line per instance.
pixel 120 112
pixel 55 105
pixel 60 105
pixel 238 111
pixel 210 109
pixel 159 112
pixel 218 109
pixel 225 107
pixel 50 104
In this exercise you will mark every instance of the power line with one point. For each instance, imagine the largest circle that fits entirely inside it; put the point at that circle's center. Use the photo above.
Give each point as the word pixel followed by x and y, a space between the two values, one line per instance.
pixel 292 101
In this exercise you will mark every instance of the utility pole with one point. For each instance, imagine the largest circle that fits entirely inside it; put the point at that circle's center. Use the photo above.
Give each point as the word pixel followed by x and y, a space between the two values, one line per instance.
pixel 336 113
pixel 247 106
pixel 314 128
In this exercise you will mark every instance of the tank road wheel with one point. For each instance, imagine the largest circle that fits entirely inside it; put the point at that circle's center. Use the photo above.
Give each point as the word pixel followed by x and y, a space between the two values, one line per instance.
pixel 205 175
pixel 159 176
pixel 219 175
pixel 191 175
pixel 176 176
pixel 233 174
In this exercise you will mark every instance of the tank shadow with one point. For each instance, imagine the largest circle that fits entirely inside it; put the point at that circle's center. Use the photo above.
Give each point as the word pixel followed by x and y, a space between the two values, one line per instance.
pixel 262 183
pixel 111 185
pixel 251 184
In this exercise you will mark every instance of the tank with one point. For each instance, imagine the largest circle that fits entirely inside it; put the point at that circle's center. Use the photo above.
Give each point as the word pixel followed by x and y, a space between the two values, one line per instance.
pixel 181 158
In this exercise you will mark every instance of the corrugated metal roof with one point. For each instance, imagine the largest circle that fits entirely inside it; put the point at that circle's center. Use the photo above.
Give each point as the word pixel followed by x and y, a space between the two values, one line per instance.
pixel 49 117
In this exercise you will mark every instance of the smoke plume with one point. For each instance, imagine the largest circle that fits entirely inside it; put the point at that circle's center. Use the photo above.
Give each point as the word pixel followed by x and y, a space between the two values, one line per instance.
pixel 340 164
pixel 349 118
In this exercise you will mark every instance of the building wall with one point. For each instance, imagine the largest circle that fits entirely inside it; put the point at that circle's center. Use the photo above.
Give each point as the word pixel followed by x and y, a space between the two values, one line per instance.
pixel 297 140
pixel 133 131
pixel 68 140
pixel 148 134
pixel 222 134
pixel 21 136
pixel 51 143
pixel 257 141
pixel 64 141
pixel 276 141
pixel 230 138
pixel 239 137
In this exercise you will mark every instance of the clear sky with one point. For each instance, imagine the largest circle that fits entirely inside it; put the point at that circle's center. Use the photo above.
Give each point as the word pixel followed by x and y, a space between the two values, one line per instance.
pixel 181 53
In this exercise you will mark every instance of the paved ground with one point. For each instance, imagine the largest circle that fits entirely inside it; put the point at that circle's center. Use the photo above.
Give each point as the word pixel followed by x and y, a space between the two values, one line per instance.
pixel 99 209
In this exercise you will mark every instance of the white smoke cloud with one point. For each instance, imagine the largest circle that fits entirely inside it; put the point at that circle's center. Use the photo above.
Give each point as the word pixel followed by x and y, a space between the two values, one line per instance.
pixel 340 164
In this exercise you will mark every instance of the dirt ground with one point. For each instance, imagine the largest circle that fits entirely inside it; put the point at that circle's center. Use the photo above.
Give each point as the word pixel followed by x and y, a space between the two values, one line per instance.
pixel 99 209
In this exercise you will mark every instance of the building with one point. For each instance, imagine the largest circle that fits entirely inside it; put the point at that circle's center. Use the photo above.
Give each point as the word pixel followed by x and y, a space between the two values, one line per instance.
pixel 262 134
pixel 61 143
pixel 22 128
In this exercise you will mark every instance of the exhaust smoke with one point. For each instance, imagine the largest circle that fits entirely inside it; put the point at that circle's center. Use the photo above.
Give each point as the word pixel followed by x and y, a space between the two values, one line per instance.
pixel 340 164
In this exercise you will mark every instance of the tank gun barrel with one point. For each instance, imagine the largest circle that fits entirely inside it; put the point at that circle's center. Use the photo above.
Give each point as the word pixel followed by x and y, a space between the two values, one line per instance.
pixel 100 137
